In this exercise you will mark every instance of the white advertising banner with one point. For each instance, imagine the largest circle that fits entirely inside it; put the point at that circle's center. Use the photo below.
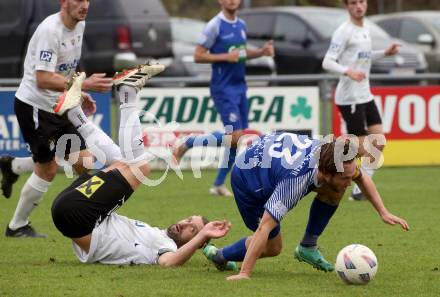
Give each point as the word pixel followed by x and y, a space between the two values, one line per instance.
pixel 169 114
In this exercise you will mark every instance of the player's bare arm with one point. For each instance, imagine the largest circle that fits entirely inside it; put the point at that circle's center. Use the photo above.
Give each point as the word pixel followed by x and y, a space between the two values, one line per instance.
pixel 355 75
pixel 202 55
pixel 393 49
pixel 215 229
pixel 256 246
pixel 369 189
pixel 266 50
pixel 51 81
pixel 97 82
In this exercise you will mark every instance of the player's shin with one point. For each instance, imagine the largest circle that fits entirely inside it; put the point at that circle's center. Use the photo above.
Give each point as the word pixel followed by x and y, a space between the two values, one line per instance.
pixel 99 143
pixel 31 194
pixel 319 217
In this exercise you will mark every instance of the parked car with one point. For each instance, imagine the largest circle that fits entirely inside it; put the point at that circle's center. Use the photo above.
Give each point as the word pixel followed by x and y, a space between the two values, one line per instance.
pixel 185 33
pixel 138 29
pixel 302 36
pixel 419 28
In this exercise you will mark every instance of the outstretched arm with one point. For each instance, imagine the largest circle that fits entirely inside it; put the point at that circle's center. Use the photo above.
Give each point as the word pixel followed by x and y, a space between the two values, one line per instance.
pixel 256 246
pixel 369 189
pixel 214 229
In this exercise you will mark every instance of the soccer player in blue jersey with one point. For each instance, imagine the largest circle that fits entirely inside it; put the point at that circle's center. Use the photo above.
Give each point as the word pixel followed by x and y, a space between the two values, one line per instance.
pixel 223 43
pixel 272 176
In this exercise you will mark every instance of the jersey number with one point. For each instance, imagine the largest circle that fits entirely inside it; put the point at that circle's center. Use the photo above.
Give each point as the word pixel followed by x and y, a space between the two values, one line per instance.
pixel 286 152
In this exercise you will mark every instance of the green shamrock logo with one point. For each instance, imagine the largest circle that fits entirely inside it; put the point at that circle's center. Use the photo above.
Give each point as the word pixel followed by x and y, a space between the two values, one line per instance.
pixel 301 108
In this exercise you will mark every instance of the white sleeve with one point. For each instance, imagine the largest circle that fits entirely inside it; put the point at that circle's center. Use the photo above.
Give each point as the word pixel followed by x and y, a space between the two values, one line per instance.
pixel 209 34
pixel 286 195
pixel 46 51
pixel 376 55
pixel 337 46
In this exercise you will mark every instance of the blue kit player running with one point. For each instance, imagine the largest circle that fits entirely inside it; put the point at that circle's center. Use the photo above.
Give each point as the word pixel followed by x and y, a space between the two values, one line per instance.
pixel 223 43
pixel 272 176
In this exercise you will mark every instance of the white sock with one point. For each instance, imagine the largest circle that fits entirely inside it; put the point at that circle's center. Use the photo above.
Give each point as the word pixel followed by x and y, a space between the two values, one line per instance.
pixel 368 170
pixel 365 170
pixel 77 117
pixel 31 194
pixel 130 132
pixel 22 165
pixel 127 94
pixel 100 144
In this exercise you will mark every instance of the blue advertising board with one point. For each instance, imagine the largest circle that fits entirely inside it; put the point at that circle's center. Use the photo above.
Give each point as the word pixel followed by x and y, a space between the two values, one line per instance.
pixel 11 140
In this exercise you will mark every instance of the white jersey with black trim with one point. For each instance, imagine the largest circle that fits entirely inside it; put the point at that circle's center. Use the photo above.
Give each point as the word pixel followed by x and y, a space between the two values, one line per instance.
pixel 351 48
pixel 53 48
pixel 120 240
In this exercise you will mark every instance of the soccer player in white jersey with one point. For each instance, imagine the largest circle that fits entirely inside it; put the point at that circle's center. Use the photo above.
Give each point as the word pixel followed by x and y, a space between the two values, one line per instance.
pixel 53 55
pixel 84 211
pixel 350 55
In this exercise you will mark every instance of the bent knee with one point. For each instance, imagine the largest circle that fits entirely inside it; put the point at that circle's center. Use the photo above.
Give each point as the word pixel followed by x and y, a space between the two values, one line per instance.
pixel 274 250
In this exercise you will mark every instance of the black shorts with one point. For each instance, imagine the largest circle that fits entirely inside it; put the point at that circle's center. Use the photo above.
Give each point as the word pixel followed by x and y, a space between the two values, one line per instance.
pixel 41 131
pixel 88 201
pixel 358 117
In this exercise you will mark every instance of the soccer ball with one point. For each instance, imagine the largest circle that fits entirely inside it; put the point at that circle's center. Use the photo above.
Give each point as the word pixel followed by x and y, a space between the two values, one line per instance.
pixel 356 264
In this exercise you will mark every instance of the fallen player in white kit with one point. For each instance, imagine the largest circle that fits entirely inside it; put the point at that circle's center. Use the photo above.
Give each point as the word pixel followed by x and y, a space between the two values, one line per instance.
pixel 84 211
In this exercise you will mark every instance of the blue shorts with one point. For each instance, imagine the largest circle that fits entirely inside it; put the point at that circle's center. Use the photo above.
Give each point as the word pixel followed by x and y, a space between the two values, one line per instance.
pixel 250 210
pixel 233 110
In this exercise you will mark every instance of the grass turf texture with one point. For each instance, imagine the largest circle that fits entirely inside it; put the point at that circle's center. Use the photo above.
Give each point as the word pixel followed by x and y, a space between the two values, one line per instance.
pixel 408 261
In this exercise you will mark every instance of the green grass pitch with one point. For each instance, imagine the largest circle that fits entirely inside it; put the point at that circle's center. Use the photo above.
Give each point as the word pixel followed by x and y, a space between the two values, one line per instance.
pixel 409 262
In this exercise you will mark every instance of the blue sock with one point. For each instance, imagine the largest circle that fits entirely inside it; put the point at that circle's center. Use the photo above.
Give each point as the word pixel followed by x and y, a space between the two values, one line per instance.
pixel 223 172
pixel 205 140
pixel 235 251
pixel 319 216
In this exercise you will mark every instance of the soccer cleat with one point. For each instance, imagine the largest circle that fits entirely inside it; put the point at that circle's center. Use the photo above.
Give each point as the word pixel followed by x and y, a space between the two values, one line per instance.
pixel 220 191
pixel 8 176
pixel 72 97
pixel 25 231
pixel 210 251
pixel 137 77
pixel 313 257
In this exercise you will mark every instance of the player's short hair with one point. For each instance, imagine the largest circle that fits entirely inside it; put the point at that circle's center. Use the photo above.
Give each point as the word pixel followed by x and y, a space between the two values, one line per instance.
pixel 329 155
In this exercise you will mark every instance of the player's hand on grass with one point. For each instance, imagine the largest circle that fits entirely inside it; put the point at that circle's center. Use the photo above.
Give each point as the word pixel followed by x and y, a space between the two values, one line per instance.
pixel 88 104
pixel 239 276
pixel 268 49
pixel 391 219
pixel 216 229
pixel 233 56
pixel 97 82
pixel 355 75
pixel 393 49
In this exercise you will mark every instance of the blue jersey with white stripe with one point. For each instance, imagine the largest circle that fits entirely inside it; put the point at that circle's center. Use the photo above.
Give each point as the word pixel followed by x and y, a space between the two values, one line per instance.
pixel 278 171
pixel 222 36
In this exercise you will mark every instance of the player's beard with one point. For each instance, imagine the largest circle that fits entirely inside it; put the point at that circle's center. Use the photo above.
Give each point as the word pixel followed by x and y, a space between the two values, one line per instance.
pixel 77 16
pixel 174 235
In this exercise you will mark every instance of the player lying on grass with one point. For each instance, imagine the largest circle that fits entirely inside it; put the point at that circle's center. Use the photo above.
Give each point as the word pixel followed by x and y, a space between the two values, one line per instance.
pixel 272 176
pixel 85 211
